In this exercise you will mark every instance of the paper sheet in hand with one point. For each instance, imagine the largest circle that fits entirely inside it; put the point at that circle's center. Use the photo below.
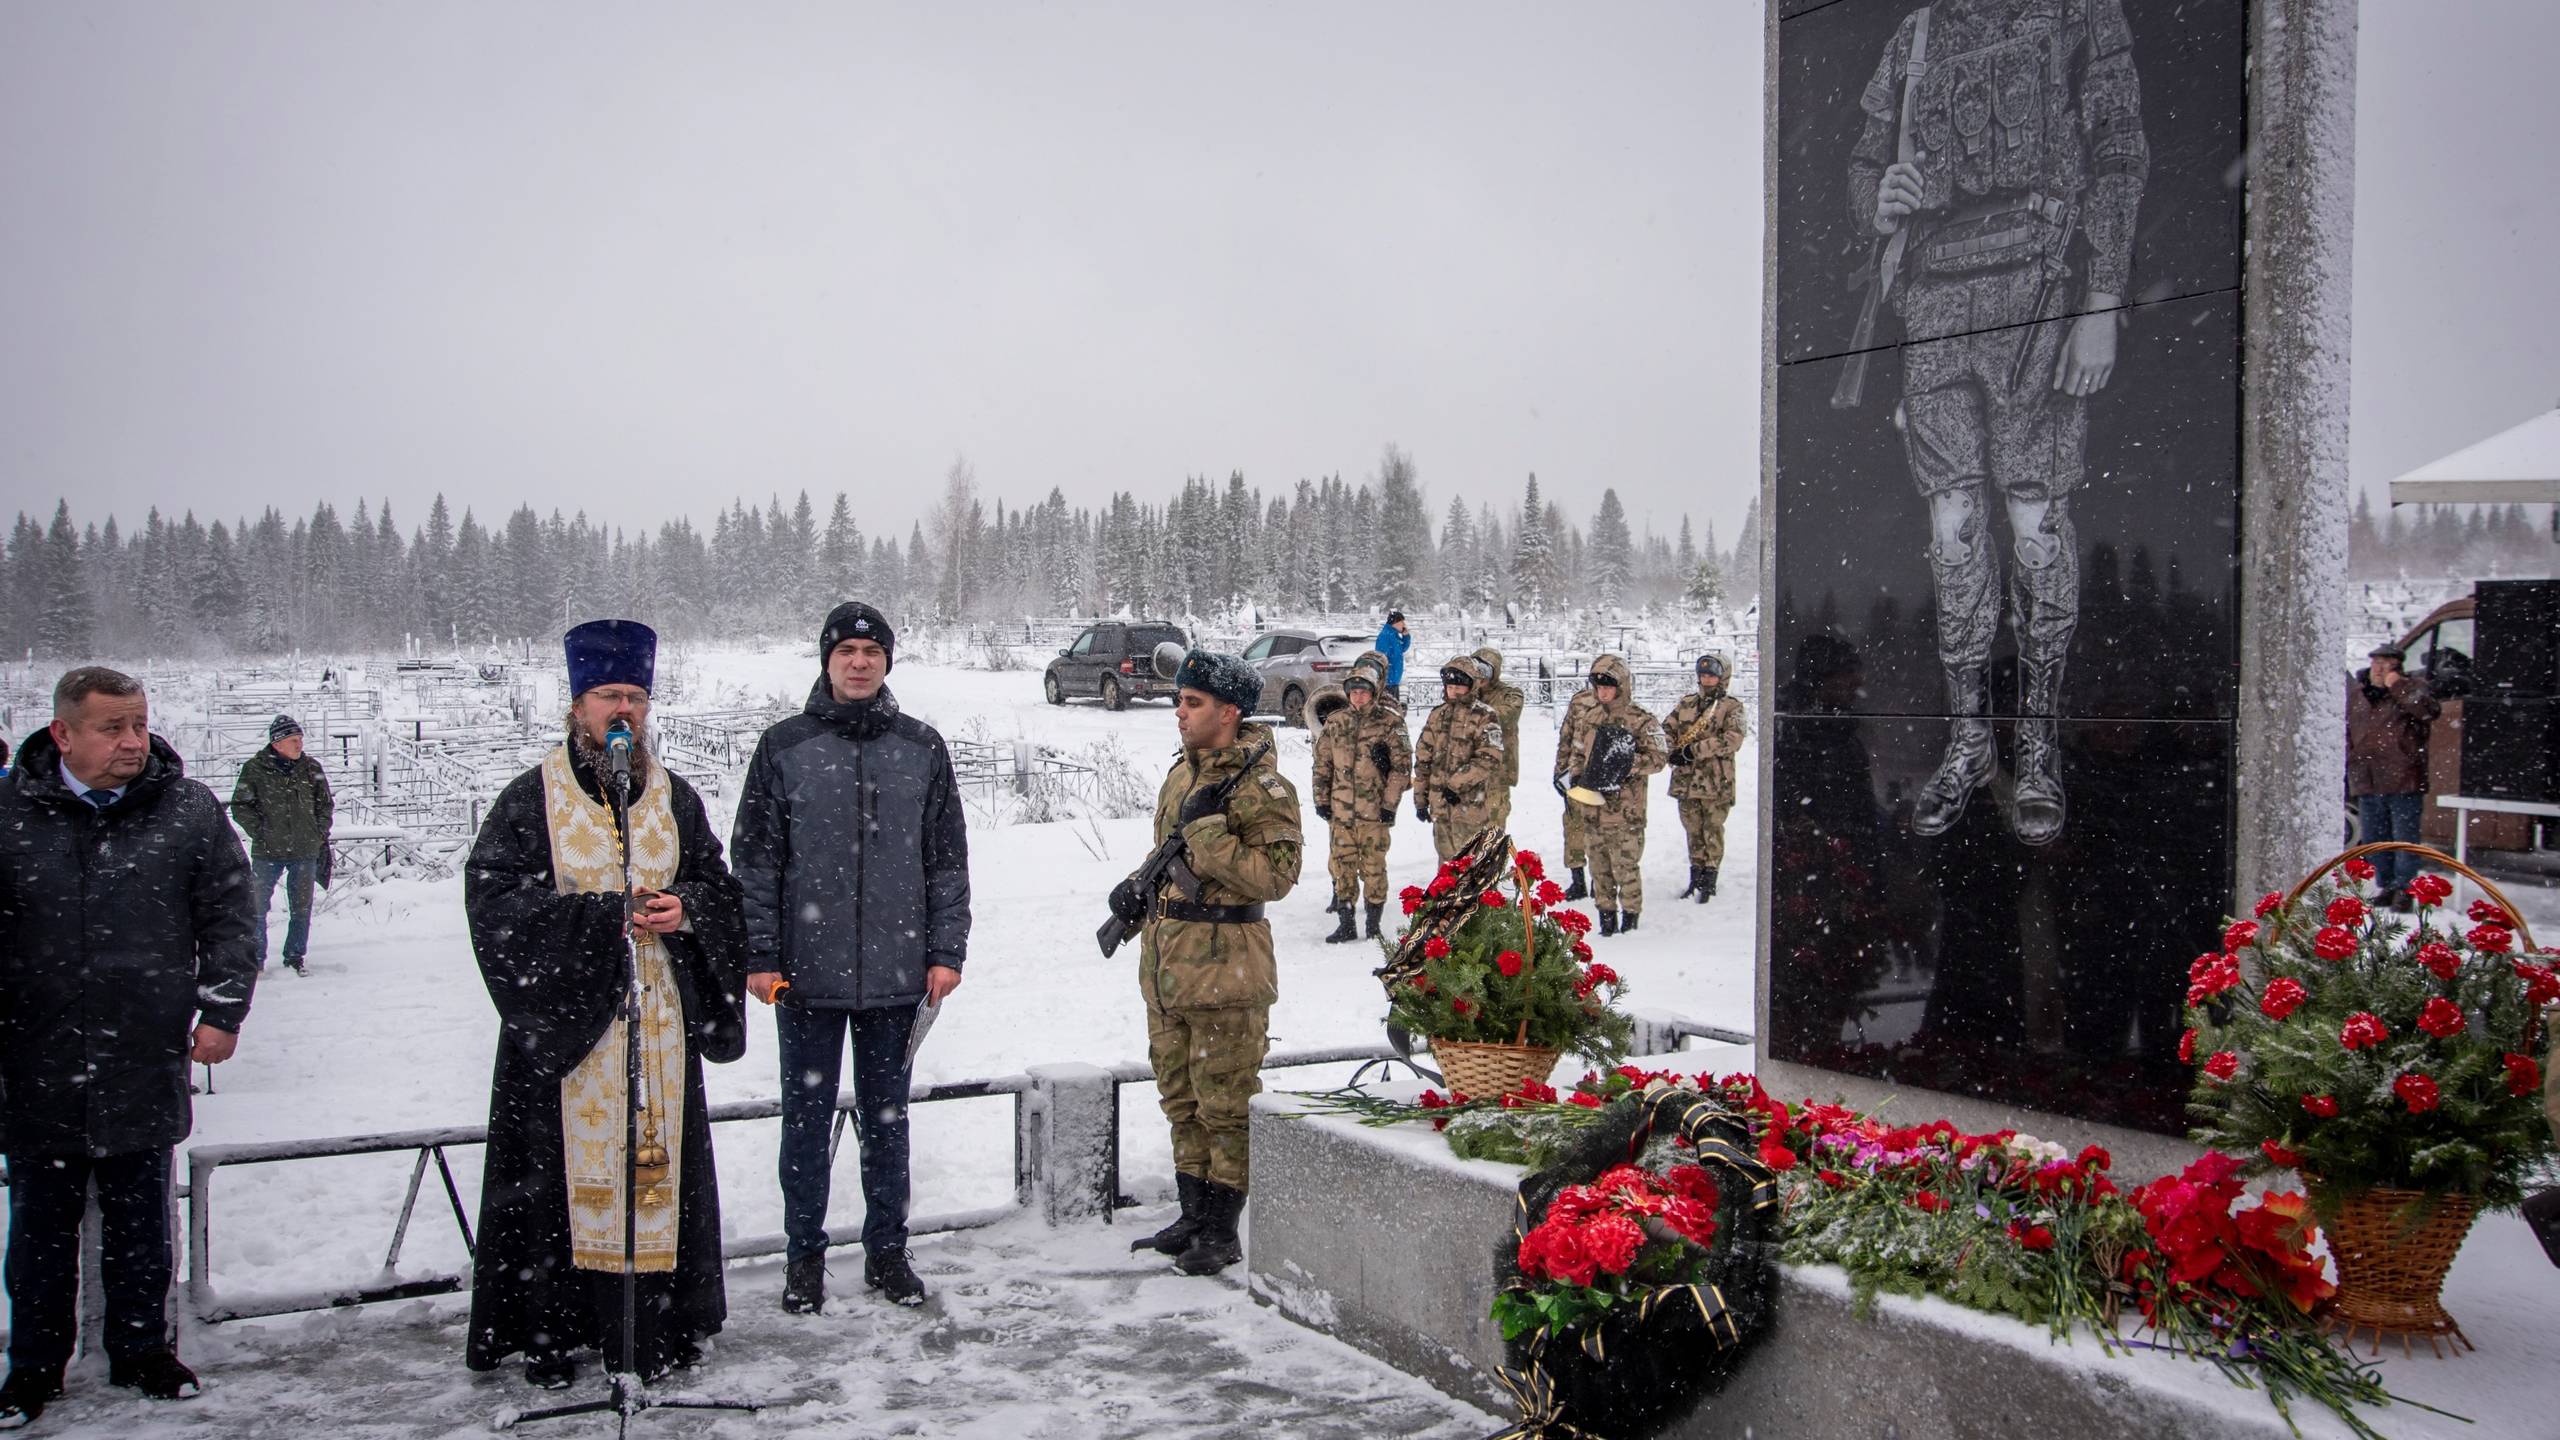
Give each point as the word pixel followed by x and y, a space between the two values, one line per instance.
pixel 926 1013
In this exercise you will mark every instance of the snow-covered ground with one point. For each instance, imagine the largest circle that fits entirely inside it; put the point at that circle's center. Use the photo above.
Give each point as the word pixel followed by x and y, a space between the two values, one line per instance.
pixel 392 1031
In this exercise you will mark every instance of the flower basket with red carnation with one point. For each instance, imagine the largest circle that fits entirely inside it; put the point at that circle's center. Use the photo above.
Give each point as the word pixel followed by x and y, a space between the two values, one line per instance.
pixel 1497 977
pixel 2391 1063
pixel 1629 1291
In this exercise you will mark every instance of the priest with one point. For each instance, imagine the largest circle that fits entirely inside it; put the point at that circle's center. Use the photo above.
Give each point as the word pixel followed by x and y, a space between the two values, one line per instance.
pixel 553 930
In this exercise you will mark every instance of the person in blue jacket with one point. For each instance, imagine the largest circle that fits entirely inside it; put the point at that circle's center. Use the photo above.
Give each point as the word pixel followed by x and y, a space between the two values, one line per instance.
pixel 1393 638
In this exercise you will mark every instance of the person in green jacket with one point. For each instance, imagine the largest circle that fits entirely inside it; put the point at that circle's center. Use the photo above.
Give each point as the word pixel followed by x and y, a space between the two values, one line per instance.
pixel 282 801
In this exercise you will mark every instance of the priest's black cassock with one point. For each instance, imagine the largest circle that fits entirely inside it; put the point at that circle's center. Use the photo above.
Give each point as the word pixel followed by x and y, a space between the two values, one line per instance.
pixel 553 964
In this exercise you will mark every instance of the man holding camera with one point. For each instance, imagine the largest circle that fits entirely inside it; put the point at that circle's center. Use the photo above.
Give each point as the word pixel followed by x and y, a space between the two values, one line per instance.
pixel 1205 964
pixel 2388 713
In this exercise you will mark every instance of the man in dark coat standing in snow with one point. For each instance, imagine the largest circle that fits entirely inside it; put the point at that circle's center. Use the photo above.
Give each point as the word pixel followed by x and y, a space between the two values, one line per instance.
pixel 853 849
pixel 554 932
pixel 125 951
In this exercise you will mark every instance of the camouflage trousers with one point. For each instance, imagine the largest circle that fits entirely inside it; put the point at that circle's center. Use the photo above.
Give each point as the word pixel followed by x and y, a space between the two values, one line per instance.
pixel 1357 859
pixel 1617 867
pixel 1208 1066
pixel 1577 837
pixel 1705 824
pixel 1498 806
pixel 1451 832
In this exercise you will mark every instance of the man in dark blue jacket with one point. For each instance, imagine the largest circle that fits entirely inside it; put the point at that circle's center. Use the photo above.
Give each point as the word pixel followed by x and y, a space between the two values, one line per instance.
pixel 125 951
pixel 854 851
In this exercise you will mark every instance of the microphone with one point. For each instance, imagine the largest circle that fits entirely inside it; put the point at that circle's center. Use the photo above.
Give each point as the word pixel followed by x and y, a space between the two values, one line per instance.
pixel 617 751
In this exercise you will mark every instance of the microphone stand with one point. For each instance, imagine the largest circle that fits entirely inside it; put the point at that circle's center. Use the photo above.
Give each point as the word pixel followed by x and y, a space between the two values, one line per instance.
pixel 628 1394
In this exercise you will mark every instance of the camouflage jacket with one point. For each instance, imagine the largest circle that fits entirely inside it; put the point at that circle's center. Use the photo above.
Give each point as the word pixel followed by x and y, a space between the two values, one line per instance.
pixel 1507 702
pixel 1460 750
pixel 1246 855
pixel 1348 780
pixel 1582 721
pixel 1704 732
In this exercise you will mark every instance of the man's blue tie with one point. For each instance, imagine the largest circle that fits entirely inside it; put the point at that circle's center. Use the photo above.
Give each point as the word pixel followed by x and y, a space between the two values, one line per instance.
pixel 100 798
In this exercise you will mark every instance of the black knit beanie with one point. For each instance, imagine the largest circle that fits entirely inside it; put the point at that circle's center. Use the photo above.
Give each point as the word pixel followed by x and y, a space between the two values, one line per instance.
pixel 854 620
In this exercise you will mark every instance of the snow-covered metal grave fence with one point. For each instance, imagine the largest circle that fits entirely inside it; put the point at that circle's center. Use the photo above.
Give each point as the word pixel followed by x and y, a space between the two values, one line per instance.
pixel 1037 777
pixel 715 741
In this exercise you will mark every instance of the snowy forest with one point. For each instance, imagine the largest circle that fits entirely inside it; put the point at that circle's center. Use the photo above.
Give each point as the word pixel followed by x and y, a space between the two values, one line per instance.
pixel 2425 541
pixel 77 586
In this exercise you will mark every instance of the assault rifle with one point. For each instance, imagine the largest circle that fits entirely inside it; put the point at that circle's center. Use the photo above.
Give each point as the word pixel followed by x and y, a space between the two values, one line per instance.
pixel 1171 862
pixel 1884 256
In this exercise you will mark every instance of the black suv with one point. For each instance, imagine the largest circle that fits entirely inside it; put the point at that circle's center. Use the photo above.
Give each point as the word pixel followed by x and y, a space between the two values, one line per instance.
pixel 1112 661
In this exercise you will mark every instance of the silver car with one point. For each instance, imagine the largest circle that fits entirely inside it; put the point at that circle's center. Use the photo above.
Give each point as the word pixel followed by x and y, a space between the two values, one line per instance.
pixel 1297 663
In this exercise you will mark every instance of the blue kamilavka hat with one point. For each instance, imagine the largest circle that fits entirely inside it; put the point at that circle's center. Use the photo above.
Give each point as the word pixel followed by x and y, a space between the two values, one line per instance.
pixel 611 652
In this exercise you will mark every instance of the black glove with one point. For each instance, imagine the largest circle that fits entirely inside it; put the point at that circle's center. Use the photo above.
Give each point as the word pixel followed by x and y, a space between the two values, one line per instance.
pixel 1560 787
pixel 1421 809
pixel 1324 813
pixel 1379 756
pixel 1448 797
pixel 1127 903
pixel 1198 803
pixel 1679 758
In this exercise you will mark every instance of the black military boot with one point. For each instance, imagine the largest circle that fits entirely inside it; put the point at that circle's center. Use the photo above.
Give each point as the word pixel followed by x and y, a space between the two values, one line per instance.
pixel 1344 930
pixel 1971 752
pixel 1626 922
pixel 24 1395
pixel 1216 1246
pixel 1376 908
pixel 893 1274
pixel 1608 922
pixel 804 1284
pixel 1706 883
pixel 2036 805
pixel 1176 1237
pixel 1577 890
pixel 1693 885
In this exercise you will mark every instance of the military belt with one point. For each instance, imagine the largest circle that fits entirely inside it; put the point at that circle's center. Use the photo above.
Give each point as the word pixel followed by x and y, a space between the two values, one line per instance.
pixel 1194 914
pixel 2034 202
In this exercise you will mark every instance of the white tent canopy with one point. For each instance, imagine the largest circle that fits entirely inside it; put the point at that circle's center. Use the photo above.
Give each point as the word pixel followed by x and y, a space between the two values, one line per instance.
pixel 2518 466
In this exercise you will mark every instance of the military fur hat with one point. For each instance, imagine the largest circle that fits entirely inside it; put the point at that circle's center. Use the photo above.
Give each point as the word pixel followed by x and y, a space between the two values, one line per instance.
pixel 1221 677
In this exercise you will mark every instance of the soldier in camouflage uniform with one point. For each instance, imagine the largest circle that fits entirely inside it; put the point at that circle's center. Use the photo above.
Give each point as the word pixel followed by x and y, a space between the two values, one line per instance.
pixel 1705 731
pixel 1457 760
pixel 1363 765
pixel 1577 825
pixel 2028 162
pixel 1375 662
pixel 1205 965
pixel 1507 702
pixel 1617 827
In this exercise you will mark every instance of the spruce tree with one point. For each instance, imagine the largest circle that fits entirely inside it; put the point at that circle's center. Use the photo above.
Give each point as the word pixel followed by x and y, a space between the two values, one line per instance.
pixel 1534 574
pixel 64 621
pixel 1611 555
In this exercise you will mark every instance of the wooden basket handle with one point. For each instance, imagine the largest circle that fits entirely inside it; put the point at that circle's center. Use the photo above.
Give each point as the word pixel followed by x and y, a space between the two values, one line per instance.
pixel 2524 933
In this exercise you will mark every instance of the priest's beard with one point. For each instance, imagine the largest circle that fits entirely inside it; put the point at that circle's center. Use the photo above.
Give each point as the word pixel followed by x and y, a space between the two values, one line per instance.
pixel 590 754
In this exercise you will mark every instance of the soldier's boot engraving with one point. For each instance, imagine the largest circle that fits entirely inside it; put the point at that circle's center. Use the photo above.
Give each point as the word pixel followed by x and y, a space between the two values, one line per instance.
pixel 1971 753
pixel 1968 592
pixel 2045 601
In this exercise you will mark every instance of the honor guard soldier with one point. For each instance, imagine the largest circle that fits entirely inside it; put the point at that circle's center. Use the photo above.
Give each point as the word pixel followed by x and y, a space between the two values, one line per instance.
pixel 1610 748
pixel 1706 730
pixel 1205 965
pixel 1364 764
pixel 1507 702
pixel 1458 760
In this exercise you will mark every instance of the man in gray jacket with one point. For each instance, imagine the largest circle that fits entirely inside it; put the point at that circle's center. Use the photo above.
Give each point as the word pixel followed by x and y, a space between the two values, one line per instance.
pixel 854 852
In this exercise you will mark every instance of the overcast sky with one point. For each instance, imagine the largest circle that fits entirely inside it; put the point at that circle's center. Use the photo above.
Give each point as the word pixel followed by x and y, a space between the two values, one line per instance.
pixel 638 257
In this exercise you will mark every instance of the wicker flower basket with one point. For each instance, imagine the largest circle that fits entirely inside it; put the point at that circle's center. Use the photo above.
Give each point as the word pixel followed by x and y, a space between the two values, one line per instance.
pixel 2393 1249
pixel 1484 1071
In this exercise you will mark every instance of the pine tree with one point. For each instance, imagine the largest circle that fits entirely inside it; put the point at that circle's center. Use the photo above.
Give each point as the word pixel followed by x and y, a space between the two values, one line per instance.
pixel 1534 574
pixel 63 623
pixel 1611 560
pixel 1742 570
pixel 1402 564
pixel 1706 587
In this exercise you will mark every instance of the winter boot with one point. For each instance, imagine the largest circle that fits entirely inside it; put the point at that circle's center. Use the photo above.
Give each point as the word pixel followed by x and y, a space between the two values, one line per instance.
pixel 1376 908
pixel 1626 922
pixel 1706 883
pixel 1216 1246
pixel 1970 754
pixel 1693 885
pixel 550 1370
pixel 1344 930
pixel 159 1376
pixel 1176 1237
pixel 23 1396
pixel 1577 890
pixel 2036 808
pixel 804 1284
pixel 893 1274
pixel 1608 922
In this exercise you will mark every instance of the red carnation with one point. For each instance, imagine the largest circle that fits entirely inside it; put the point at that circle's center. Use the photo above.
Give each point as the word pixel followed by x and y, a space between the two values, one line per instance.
pixel 2346 910
pixel 1528 864
pixel 2362 1029
pixel 2187 1048
pixel 2241 933
pixel 1599 974
pixel 2094 1157
pixel 2490 914
pixel 1550 893
pixel 1927 1200
pixel 1410 892
pixel 2442 1019
pixel 1775 1154
pixel 1572 922
pixel 2524 1075
pixel 1441 884
pixel 2333 943
pixel 2493 938
pixel 2416 1091
pixel 2215 978
pixel 1832 1178
pixel 1492 900
pixel 2430 889
pixel 2324 1106
pixel 1586 1100
pixel 1508 962
pixel 1463 1006
pixel 1436 948
pixel 2030 1237
pixel 2358 869
pixel 1581 951
pixel 2541 982
pixel 2283 997
pixel 2439 957
pixel 2269 903
pixel 2276 1154
pixel 1412 903
pixel 2223 1065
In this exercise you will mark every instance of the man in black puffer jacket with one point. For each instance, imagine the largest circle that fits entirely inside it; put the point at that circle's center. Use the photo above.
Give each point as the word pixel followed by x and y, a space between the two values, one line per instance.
pixel 125 951
pixel 854 851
